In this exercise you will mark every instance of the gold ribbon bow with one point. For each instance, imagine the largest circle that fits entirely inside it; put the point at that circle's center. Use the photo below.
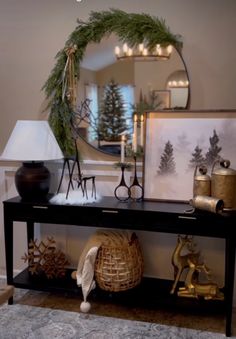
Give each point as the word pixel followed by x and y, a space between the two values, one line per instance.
pixel 69 79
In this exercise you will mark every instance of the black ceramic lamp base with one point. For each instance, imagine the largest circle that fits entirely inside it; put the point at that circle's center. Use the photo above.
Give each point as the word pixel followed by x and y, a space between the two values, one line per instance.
pixel 32 180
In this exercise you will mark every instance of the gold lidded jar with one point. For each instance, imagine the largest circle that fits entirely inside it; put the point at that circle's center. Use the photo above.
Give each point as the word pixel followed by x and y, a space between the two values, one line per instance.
pixel 201 181
pixel 223 183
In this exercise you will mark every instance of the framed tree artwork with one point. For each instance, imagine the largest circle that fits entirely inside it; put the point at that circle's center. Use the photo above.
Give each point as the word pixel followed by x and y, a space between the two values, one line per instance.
pixel 176 142
pixel 163 98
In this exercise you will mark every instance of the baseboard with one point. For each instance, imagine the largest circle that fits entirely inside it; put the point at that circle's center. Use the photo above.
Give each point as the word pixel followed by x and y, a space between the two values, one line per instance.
pixel 4 277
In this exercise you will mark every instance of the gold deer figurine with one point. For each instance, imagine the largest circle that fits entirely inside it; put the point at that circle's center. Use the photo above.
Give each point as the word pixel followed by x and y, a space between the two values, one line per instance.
pixel 195 289
pixel 180 262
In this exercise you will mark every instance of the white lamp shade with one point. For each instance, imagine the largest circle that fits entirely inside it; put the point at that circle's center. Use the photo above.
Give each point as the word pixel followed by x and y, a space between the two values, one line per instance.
pixel 32 140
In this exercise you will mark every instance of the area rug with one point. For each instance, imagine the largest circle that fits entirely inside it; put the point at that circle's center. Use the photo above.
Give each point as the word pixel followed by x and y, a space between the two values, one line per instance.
pixel 30 322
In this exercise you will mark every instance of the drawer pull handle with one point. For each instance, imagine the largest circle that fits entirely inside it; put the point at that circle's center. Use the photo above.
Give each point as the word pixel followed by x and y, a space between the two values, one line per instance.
pixel 185 217
pixel 41 207
pixel 109 211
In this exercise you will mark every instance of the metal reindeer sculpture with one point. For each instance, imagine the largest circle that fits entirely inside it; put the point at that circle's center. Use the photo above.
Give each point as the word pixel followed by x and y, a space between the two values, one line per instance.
pixel 180 262
pixel 195 289
pixel 81 179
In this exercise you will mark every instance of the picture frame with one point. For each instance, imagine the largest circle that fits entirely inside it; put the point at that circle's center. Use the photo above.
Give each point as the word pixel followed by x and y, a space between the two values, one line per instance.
pixel 163 98
pixel 175 141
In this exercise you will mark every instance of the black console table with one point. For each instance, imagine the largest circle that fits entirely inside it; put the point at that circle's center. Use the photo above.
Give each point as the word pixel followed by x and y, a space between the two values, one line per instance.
pixel 164 217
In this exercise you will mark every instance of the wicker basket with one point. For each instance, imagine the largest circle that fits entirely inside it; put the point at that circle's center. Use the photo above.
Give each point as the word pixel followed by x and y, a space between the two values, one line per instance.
pixel 119 268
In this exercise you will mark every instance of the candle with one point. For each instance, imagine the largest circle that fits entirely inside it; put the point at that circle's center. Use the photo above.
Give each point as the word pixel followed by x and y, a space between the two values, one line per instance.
pixel 117 51
pixel 135 133
pixel 141 130
pixel 133 141
pixel 122 150
pixel 125 48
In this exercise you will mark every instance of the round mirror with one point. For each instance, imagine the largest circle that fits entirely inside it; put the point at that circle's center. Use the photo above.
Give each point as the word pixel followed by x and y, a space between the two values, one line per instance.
pixel 113 93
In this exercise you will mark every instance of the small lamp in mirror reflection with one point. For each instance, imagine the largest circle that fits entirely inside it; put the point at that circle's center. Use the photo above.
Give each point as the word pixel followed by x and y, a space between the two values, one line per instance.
pixel 178 79
pixel 32 142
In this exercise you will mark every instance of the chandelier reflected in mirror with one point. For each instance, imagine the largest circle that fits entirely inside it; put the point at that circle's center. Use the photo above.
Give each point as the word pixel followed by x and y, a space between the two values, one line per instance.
pixel 142 53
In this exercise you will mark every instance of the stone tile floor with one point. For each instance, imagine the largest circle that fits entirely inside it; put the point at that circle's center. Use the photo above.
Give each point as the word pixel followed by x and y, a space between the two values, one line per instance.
pixel 67 302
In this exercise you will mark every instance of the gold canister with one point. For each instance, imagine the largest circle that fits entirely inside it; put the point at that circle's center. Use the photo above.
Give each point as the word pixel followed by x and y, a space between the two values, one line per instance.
pixel 223 183
pixel 201 181
pixel 207 203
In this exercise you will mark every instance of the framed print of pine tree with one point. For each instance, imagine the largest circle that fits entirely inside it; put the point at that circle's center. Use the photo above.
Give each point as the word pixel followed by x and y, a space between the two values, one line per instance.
pixel 179 140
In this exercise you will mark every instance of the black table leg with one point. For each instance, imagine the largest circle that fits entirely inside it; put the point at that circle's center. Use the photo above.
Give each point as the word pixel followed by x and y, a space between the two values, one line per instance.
pixel 30 231
pixel 229 282
pixel 8 233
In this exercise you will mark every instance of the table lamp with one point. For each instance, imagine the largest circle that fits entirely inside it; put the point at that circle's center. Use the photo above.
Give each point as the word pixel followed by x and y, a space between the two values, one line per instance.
pixel 32 142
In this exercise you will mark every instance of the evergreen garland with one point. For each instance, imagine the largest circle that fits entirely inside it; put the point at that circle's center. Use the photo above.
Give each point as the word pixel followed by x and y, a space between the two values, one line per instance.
pixel 132 28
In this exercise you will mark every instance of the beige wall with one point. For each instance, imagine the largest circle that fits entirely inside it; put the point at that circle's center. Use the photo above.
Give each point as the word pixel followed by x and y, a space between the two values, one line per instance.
pixel 32 32
pixel 86 76
pixel 121 72
pixel 152 75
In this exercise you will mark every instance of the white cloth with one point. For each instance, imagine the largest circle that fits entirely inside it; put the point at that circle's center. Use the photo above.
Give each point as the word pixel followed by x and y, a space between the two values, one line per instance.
pixel 85 269
pixel 86 279
pixel 75 197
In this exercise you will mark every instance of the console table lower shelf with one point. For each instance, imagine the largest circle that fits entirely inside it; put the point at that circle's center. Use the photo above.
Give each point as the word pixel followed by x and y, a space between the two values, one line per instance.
pixel 150 294
pixel 148 216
